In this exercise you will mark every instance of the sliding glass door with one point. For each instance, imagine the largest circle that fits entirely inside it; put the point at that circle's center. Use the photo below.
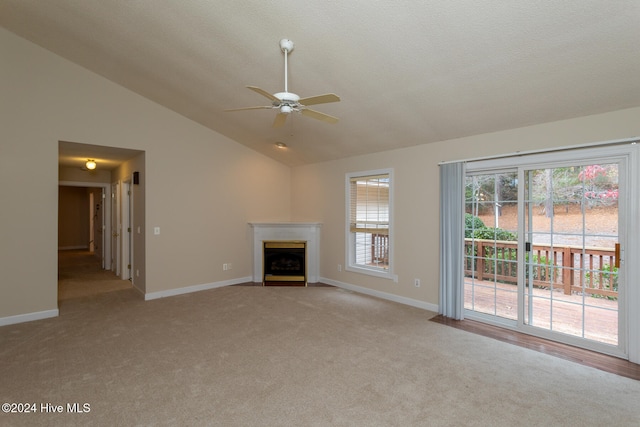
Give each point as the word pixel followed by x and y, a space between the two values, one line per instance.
pixel 572 246
pixel 543 244
pixel 491 224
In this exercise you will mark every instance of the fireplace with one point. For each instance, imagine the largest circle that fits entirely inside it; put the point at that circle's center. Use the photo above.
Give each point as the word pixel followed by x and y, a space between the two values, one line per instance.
pixel 308 232
pixel 284 263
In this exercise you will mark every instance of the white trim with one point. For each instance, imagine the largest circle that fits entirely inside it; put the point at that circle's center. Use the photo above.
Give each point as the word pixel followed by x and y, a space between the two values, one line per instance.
pixel 383 295
pixel 373 271
pixel 577 155
pixel 28 317
pixel 629 259
pixel 306 231
pixel 195 288
pixel 350 263
pixel 548 150
pixel 137 289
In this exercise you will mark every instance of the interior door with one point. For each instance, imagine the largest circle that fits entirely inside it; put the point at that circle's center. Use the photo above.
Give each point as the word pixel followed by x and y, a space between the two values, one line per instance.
pixel 115 228
pixel 126 231
pixel 572 251
pixel 101 227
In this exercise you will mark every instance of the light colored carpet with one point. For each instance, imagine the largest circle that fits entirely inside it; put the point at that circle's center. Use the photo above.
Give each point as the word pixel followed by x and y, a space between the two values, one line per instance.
pixel 80 275
pixel 286 356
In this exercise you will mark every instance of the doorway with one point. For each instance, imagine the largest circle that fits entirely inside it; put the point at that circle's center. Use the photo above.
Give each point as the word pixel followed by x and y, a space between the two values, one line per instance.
pixel 543 244
pixel 83 236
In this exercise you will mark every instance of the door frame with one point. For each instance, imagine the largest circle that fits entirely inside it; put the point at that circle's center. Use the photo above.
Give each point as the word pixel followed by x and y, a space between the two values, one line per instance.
pixel 629 341
pixel 106 190
pixel 116 228
pixel 126 235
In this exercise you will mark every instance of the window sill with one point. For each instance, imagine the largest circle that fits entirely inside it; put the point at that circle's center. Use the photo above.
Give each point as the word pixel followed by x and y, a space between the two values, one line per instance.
pixel 372 272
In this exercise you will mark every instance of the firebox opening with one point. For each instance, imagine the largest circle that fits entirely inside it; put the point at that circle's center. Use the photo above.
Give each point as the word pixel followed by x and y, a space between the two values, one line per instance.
pixel 284 263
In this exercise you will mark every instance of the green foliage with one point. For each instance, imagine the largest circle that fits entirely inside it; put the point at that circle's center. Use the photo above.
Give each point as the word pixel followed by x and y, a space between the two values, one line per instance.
pixel 609 275
pixel 471 223
pixel 489 233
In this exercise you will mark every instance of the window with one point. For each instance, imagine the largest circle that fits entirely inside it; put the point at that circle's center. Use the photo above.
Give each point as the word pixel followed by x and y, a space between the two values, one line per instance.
pixel 369 246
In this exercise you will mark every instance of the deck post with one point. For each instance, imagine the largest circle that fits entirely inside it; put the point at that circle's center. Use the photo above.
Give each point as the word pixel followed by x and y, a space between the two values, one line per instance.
pixel 567 269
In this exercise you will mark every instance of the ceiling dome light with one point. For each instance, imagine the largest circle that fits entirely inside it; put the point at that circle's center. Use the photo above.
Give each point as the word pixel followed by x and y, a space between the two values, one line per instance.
pixel 281 145
pixel 91 164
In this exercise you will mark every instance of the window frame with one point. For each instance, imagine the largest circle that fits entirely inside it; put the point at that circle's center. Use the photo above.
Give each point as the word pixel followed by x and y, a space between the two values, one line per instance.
pixel 351 264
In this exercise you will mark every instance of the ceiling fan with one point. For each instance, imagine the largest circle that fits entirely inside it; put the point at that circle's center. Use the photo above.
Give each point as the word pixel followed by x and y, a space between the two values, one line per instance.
pixel 287 102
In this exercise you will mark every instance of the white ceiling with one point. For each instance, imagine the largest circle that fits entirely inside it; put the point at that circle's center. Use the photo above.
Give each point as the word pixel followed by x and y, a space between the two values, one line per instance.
pixel 408 72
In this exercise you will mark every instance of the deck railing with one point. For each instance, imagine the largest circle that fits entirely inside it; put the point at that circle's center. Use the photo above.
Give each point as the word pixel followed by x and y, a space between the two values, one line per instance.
pixel 588 270
pixel 380 249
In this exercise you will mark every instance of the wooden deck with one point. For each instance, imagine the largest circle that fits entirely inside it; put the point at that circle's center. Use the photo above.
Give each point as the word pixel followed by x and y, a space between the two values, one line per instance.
pixel 577 315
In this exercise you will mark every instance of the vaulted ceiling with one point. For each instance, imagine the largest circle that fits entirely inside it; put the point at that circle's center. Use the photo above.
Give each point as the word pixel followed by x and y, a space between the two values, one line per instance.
pixel 407 72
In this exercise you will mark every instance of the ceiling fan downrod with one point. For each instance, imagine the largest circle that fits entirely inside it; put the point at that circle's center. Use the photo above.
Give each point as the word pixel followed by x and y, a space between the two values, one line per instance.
pixel 286 46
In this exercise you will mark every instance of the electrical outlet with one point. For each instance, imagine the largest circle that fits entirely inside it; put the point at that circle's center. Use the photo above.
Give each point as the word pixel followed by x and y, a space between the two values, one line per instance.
pixel 339 267
pixel 225 266
pixel 416 283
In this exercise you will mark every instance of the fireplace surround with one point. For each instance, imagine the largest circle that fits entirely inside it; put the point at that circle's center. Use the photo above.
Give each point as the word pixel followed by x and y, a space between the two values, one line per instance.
pixel 307 232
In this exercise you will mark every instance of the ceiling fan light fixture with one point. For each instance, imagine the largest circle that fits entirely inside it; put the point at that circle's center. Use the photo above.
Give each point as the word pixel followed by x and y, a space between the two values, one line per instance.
pixel 285 109
pixel 91 164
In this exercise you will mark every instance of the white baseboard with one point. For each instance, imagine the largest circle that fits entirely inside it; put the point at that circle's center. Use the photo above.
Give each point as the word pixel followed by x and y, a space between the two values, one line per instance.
pixel 195 288
pixel 140 291
pixel 28 317
pixel 384 295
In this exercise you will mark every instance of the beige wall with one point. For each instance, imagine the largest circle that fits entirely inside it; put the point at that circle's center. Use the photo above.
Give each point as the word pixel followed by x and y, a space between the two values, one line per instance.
pixel 200 187
pixel 318 194
pixel 73 218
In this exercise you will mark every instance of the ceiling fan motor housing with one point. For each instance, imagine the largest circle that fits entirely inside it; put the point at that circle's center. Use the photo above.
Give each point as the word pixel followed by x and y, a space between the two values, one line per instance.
pixel 288 101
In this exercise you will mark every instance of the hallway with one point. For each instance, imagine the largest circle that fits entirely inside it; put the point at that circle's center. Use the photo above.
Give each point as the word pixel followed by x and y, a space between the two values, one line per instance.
pixel 80 275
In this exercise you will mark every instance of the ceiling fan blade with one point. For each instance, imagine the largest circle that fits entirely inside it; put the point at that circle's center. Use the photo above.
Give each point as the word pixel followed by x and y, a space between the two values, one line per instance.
pixel 264 93
pixel 280 119
pixel 319 116
pixel 249 108
pixel 320 99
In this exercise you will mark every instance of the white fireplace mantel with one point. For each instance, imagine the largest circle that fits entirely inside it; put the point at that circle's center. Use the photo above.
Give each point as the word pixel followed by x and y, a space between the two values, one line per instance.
pixel 306 231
